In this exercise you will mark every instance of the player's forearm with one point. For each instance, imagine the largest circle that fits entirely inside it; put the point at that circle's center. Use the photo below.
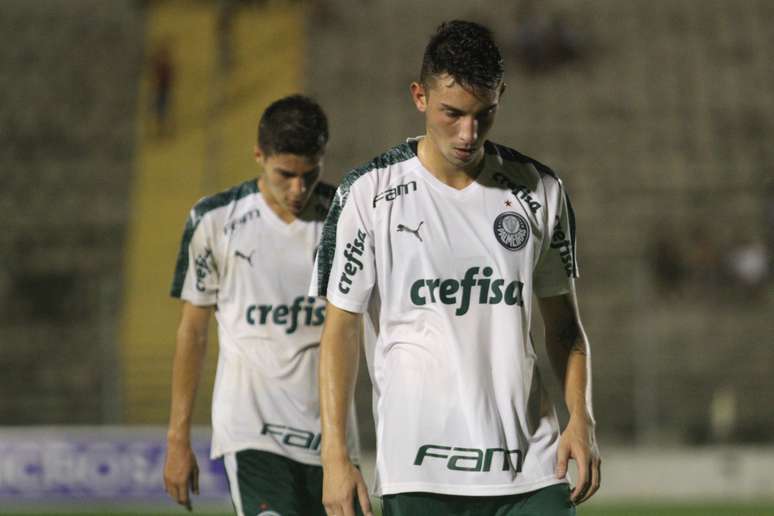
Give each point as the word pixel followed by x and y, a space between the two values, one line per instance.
pixel 339 356
pixel 569 351
pixel 577 380
pixel 186 373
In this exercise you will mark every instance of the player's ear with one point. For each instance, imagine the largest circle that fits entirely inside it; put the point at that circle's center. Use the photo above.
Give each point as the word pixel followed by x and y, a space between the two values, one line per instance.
pixel 258 155
pixel 502 89
pixel 419 96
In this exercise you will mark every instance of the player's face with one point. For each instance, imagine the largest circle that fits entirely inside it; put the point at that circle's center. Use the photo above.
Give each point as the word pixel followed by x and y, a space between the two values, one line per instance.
pixel 288 180
pixel 457 119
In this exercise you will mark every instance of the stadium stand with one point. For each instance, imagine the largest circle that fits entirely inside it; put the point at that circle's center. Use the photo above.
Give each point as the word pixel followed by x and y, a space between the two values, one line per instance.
pixel 658 125
pixel 66 159
pixel 227 72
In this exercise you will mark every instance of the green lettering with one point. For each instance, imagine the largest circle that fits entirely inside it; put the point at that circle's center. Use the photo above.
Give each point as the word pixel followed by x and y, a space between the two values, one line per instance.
pixel 483 284
pixel 270 429
pixel 319 315
pixel 513 293
pixel 497 291
pixel 415 297
pixel 467 284
pixel 448 288
pixel 308 310
pixel 423 452
pixel 264 309
pixel 477 457
pixel 432 284
pixel 299 438
pixel 507 462
pixel 280 314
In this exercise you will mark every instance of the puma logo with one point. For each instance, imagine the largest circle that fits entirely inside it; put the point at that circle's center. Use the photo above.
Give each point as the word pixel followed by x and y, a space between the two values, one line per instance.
pixel 415 232
pixel 249 257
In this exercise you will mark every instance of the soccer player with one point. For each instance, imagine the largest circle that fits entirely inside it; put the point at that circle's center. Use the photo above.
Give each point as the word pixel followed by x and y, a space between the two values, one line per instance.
pixel 442 241
pixel 246 256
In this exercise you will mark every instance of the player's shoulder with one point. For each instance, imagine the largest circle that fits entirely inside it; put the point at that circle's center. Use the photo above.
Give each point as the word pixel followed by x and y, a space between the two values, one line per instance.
pixel 515 162
pixel 379 164
pixel 210 205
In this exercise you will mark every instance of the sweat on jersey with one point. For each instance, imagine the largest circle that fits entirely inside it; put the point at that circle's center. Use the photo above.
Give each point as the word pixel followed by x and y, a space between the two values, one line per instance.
pixel 239 256
pixel 446 277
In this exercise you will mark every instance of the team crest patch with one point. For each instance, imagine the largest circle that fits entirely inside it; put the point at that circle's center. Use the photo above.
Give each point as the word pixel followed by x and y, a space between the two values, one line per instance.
pixel 511 230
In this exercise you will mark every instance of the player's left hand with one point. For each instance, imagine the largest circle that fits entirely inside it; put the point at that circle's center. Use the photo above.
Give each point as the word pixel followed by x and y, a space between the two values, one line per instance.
pixel 578 442
pixel 181 473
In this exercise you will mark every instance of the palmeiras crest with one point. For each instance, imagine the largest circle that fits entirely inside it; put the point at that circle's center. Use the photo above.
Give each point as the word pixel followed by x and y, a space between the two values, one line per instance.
pixel 511 230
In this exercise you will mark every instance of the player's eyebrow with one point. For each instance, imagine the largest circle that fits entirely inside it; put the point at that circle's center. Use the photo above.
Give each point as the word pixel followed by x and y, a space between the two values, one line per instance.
pixel 294 173
pixel 458 110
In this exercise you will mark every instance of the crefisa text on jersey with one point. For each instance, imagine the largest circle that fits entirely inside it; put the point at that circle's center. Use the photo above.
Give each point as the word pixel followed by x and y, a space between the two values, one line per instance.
pixel 562 243
pixel 234 224
pixel 491 291
pixel 351 253
pixel 313 315
pixel 204 264
pixel 520 191
pixel 394 192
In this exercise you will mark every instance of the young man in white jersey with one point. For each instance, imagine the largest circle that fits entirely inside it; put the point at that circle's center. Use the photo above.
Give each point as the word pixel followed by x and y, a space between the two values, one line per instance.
pixel 441 242
pixel 246 256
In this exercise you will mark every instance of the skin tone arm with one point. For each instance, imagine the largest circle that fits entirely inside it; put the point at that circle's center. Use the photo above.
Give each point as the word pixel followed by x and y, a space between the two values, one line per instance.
pixel 181 472
pixel 568 349
pixel 339 356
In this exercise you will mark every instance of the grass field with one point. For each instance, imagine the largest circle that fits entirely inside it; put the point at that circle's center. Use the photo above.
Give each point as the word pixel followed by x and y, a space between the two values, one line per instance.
pixel 592 510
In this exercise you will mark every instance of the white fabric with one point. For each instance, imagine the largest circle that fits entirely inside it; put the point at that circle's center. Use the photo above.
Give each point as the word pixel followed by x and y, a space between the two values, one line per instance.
pixel 449 304
pixel 242 258
pixel 231 467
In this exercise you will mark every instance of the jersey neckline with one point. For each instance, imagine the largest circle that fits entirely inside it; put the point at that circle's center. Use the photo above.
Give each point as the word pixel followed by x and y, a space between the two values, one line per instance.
pixel 275 220
pixel 436 183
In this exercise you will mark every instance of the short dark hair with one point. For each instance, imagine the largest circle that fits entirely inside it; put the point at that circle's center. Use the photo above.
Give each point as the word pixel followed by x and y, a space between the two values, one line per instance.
pixel 295 124
pixel 467 52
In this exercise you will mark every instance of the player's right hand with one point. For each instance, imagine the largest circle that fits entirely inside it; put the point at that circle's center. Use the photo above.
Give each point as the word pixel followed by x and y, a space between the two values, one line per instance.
pixel 181 473
pixel 343 484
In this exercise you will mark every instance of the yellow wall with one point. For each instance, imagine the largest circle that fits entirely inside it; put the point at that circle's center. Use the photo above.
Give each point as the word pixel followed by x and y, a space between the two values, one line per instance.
pixel 206 151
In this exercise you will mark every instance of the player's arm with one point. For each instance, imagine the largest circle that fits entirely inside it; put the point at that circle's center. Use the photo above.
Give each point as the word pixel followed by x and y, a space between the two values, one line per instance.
pixel 181 472
pixel 570 355
pixel 339 358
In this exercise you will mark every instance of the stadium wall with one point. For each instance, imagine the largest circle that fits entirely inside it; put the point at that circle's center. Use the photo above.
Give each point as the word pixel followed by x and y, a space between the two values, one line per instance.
pixel 67 127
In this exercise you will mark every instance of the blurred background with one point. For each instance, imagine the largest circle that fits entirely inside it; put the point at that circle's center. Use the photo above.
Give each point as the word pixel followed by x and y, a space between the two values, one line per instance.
pixel 658 115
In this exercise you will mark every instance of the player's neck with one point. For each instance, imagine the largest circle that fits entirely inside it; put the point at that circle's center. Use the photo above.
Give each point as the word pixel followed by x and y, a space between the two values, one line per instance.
pixel 285 215
pixel 456 177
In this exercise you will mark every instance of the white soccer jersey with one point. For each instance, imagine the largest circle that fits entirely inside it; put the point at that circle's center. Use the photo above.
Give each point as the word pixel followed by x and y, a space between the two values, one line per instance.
pixel 447 278
pixel 239 256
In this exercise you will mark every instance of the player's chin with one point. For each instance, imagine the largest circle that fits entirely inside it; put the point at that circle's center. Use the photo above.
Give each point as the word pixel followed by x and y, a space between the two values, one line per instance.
pixel 296 207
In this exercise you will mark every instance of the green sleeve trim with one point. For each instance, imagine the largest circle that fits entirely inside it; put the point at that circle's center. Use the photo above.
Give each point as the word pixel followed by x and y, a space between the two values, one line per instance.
pixel 327 250
pixel 198 212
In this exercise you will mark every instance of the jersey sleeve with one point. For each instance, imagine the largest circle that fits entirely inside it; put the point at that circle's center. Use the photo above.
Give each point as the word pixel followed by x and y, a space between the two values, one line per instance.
pixel 345 269
pixel 557 266
pixel 196 276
